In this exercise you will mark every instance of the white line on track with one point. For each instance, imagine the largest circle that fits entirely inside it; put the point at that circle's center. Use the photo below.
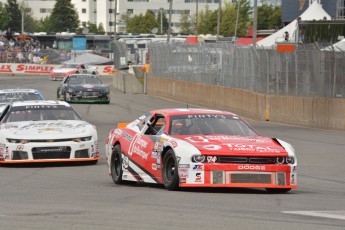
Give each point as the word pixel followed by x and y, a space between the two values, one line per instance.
pixel 340 215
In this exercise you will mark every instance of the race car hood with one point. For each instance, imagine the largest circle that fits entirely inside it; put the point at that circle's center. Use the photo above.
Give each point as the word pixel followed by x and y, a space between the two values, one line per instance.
pixel 85 87
pixel 47 129
pixel 63 70
pixel 234 144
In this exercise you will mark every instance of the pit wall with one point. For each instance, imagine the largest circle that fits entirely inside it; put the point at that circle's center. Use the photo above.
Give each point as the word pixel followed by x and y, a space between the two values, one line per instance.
pixel 323 113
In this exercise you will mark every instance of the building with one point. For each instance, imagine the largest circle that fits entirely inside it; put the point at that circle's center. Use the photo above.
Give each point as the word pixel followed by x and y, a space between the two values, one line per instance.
pixel 291 9
pixel 102 11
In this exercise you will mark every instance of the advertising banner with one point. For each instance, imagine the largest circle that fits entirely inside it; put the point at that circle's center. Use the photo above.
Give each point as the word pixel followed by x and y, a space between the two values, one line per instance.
pixel 18 68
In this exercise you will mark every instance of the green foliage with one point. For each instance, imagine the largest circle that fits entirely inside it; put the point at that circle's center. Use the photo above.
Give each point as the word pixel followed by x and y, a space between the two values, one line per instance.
pixel 228 20
pixel 185 23
pixel 207 24
pixel 100 28
pixel 142 24
pixel 165 22
pixel 29 23
pixel 64 17
pixel 4 17
pixel 14 15
pixel 43 24
pixel 269 17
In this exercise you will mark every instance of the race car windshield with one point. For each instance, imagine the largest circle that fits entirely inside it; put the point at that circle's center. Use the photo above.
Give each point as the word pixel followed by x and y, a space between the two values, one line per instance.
pixel 9 97
pixel 73 66
pixel 84 80
pixel 41 113
pixel 209 124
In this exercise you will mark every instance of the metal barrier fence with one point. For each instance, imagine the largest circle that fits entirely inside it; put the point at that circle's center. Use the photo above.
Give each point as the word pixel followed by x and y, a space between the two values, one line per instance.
pixel 311 70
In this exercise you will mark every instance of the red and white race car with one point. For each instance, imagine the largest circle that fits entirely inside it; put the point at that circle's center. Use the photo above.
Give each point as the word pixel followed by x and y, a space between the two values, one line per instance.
pixel 199 148
pixel 71 68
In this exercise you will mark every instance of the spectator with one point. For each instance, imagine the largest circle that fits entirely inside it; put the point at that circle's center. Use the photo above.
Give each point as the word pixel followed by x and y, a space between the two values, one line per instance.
pixel 9 34
pixel 36 59
pixel 20 56
pixel 286 36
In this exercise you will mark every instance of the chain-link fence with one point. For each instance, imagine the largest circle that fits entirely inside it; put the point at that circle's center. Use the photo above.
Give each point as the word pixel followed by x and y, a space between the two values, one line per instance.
pixel 309 71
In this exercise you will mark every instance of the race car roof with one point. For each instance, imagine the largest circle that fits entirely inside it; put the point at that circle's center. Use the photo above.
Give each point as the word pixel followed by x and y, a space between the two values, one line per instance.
pixel 19 91
pixel 40 102
pixel 182 111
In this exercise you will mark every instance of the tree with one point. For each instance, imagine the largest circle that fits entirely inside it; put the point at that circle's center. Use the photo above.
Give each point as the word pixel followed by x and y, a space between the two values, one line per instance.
pixel 29 23
pixel 100 28
pixel 124 18
pixel 228 20
pixel 165 22
pixel 150 22
pixel 207 21
pixel 64 17
pixel 43 24
pixel 269 17
pixel 14 15
pixel 4 17
pixel 142 24
pixel 244 19
pixel 185 23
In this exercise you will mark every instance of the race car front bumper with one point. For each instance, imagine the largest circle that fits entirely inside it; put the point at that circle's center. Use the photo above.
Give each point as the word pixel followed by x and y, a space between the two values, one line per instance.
pixel 238 175
pixel 49 152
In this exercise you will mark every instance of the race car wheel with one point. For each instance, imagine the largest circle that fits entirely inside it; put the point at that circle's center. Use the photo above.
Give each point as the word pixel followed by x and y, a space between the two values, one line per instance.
pixel 170 171
pixel 278 190
pixel 116 165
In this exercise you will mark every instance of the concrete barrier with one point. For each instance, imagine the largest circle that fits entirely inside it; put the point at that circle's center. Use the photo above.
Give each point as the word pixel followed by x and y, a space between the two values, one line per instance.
pixel 127 83
pixel 325 113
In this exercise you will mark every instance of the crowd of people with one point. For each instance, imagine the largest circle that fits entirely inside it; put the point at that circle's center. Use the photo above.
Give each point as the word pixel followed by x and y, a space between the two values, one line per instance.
pixel 19 49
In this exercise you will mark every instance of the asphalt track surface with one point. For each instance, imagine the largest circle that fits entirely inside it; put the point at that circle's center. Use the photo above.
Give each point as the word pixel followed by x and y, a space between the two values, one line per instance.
pixel 60 196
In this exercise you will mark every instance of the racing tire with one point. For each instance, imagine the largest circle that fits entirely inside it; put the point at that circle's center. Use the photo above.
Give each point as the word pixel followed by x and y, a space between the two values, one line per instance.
pixel 278 190
pixel 116 165
pixel 170 171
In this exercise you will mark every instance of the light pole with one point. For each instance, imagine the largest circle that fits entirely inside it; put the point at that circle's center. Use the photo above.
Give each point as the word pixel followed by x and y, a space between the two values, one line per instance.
pixel 23 12
pixel 196 20
pixel 115 11
pixel 255 21
pixel 238 12
pixel 161 10
pixel 169 27
pixel 218 20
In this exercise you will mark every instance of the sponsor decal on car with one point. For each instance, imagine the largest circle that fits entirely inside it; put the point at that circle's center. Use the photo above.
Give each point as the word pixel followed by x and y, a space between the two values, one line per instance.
pixel 243 147
pixel 211 159
pixel 125 163
pixel 20 147
pixel 293 178
pixel 154 167
pixel 252 167
pixel 212 147
pixel 198 167
pixel 199 177
pixel 183 169
pixel 184 166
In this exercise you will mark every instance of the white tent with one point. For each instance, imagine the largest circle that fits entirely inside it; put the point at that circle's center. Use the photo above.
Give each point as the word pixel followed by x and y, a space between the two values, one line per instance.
pixel 339 46
pixel 88 58
pixel 314 12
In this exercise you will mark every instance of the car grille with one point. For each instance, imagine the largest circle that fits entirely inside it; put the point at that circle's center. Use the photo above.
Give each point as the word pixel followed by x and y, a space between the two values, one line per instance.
pixel 84 153
pixel 20 155
pixel 60 152
pixel 261 178
pixel 49 140
pixel 90 93
pixel 247 160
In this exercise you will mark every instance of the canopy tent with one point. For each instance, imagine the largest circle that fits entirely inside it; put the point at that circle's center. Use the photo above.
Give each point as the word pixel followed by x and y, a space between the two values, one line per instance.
pixel 88 58
pixel 339 46
pixel 314 12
